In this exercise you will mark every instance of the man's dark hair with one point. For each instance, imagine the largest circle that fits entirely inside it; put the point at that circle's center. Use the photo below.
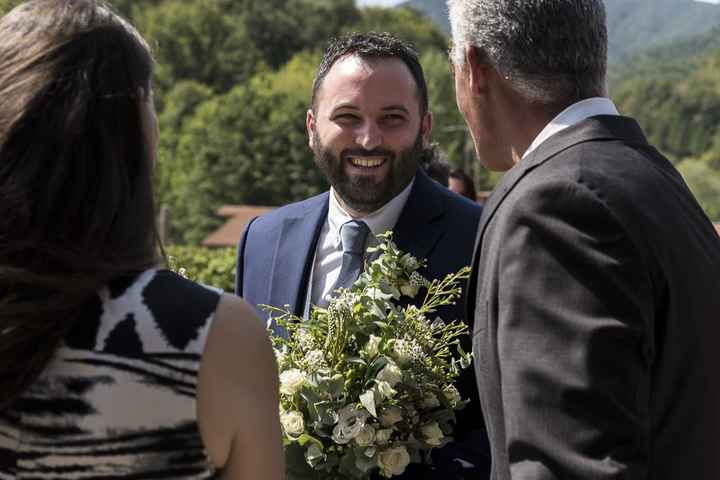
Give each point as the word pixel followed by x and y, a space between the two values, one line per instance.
pixel 372 46
pixel 468 184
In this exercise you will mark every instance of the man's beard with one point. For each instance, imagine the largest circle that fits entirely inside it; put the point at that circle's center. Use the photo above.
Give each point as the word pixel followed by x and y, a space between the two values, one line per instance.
pixel 359 192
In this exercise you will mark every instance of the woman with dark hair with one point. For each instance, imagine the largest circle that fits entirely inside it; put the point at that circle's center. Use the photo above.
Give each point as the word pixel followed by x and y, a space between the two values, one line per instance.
pixel 461 183
pixel 109 366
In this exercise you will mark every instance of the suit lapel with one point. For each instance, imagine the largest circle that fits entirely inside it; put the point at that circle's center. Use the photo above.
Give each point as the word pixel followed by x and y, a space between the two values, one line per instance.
pixel 417 230
pixel 294 253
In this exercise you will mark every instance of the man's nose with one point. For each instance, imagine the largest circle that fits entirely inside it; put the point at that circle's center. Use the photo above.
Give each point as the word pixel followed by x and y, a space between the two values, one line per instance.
pixel 369 136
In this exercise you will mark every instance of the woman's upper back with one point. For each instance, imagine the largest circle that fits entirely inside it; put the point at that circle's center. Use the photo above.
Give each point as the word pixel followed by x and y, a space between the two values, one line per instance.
pixel 119 398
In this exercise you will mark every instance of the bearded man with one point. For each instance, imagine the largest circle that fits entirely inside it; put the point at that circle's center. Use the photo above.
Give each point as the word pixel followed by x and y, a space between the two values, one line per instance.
pixel 368 126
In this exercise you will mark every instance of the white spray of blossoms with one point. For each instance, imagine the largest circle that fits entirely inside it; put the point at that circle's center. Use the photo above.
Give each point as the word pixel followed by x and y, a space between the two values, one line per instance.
pixel 366 384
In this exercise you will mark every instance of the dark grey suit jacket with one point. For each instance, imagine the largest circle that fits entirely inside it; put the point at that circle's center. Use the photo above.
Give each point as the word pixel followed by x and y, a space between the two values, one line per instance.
pixel 597 314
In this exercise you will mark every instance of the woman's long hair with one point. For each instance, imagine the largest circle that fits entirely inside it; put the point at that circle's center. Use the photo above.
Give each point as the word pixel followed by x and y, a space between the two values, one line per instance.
pixel 76 201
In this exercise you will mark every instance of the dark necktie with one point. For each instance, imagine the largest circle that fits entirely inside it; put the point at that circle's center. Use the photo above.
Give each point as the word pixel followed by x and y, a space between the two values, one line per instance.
pixel 353 235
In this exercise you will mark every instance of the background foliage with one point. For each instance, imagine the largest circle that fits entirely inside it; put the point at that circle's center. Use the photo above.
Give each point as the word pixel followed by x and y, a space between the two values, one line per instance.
pixel 210 266
pixel 233 82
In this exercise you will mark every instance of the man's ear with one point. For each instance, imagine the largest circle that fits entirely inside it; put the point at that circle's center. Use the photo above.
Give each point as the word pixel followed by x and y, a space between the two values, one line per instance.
pixel 479 70
pixel 426 127
pixel 310 125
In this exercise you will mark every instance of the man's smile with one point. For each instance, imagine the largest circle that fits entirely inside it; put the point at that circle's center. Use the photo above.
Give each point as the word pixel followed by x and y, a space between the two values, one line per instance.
pixel 366 162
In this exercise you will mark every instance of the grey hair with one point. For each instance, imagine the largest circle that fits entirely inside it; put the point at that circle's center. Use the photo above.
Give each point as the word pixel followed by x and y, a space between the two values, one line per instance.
pixel 550 51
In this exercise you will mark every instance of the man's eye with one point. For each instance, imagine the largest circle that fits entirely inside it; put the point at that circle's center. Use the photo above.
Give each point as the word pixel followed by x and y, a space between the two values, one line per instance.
pixel 393 118
pixel 345 117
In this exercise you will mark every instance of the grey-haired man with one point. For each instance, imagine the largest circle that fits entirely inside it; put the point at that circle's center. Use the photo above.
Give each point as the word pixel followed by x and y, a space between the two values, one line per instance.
pixel 597 277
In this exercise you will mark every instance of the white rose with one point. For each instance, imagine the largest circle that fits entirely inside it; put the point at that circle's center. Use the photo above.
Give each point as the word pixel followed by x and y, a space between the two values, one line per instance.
pixel 293 423
pixel 393 461
pixel 372 347
pixel 291 381
pixel 382 436
pixel 391 374
pixel 390 416
pixel 452 395
pixel 350 422
pixel 366 436
pixel 430 401
pixel 433 434
pixel 385 390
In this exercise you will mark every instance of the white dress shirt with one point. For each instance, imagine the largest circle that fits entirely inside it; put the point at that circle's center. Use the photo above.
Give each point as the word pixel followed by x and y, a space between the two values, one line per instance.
pixel 575 113
pixel 329 252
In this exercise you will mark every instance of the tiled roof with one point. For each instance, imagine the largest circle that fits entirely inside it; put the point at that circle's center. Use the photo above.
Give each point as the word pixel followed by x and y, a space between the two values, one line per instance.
pixel 229 234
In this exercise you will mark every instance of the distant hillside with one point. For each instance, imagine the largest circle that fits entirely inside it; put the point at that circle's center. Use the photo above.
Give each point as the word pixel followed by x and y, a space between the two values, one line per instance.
pixel 637 25
pixel 633 25
pixel 435 9
pixel 671 61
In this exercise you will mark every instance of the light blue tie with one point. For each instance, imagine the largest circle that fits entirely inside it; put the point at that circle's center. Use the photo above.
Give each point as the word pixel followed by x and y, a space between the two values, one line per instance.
pixel 353 234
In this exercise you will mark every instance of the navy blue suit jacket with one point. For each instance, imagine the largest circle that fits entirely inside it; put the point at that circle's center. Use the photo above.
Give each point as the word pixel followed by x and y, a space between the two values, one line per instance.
pixel 275 257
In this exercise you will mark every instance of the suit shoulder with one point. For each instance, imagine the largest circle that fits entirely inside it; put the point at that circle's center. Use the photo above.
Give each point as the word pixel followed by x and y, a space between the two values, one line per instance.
pixel 275 217
pixel 461 206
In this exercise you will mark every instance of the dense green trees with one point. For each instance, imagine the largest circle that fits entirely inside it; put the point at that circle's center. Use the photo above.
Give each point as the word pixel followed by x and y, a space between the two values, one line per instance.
pixel 677 101
pixel 233 81
pixel 233 84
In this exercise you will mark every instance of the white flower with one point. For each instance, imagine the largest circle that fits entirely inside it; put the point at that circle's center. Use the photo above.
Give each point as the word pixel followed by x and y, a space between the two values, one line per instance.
pixel 391 374
pixel 382 436
pixel 291 381
pixel 366 436
pixel 390 416
pixel 402 352
pixel 409 289
pixel 393 461
pixel 314 359
pixel 350 422
pixel 372 346
pixel 437 323
pixel 452 395
pixel 433 434
pixel 305 339
pixel 293 423
pixel 385 390
pixel 280 356
pixel 430 401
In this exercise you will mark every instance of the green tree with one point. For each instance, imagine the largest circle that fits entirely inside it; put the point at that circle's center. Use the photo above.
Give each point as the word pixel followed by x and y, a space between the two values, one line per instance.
pixel 406 23
pixel 248 146
pixel 199 41
pixel 7 5
pixel 704 182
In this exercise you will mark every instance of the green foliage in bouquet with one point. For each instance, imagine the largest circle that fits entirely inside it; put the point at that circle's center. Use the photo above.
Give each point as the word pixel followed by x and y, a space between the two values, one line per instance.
pixel 214 267
pixel 366 384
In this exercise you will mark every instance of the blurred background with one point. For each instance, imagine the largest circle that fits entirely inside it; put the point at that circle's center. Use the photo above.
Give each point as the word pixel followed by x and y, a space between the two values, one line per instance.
pixel 233 84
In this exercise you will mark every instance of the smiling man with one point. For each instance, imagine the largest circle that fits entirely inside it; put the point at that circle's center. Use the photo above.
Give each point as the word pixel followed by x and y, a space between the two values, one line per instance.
pixel 368 126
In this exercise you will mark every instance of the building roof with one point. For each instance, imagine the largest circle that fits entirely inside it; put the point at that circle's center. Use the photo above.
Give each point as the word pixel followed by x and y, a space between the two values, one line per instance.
pixel 239 216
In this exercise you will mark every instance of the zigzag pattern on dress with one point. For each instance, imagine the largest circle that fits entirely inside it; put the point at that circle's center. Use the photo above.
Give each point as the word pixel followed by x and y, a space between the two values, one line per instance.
pixel 118 401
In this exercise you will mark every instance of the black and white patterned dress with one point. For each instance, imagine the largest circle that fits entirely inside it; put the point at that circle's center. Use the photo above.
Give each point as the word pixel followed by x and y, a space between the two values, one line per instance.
pixel 118 400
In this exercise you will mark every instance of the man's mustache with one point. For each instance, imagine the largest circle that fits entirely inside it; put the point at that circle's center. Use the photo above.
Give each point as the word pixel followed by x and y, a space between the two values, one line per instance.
pixel 361 152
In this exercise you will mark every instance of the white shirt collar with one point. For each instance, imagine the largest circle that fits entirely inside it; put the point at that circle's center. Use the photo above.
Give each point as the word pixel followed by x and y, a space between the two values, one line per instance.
pixel 379 221
pixel 574 114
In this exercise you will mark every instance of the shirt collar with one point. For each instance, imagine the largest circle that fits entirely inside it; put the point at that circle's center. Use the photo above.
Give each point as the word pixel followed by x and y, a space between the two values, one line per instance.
pixel 575 113
pixel 379 221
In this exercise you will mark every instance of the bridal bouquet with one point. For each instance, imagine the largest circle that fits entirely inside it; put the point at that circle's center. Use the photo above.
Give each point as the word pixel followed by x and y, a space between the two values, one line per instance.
pixel 366 384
